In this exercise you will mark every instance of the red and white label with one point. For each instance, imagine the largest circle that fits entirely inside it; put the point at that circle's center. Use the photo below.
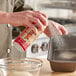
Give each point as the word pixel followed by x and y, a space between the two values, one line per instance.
pixel 26 38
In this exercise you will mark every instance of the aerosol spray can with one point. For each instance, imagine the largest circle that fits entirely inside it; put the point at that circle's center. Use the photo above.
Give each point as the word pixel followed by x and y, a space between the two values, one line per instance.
pixel 24 40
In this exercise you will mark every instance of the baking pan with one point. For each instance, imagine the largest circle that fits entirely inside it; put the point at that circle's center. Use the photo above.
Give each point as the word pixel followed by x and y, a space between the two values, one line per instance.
pixel 62 53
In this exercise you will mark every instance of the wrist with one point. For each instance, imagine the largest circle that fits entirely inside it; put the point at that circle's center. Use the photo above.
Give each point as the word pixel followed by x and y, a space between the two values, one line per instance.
pixel 3 17
pixel 9 18
pixel 47 31
pixel 13 18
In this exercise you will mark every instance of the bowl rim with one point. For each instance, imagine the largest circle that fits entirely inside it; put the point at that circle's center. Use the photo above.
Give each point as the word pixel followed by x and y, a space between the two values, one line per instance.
pixel 8 61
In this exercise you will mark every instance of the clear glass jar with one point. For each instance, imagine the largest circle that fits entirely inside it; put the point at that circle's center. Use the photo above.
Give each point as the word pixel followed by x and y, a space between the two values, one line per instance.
pixel 20 67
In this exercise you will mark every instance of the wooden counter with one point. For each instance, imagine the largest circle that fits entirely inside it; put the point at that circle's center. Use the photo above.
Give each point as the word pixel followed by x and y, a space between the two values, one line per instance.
pixel 46 71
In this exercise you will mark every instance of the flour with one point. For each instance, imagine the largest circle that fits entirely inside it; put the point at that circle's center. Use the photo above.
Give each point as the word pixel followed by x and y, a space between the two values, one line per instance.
pixel 57 39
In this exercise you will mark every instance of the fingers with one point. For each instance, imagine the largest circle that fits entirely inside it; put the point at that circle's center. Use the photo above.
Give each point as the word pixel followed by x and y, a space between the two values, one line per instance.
pixel 36 12
pixel 63 30
pixel 32 27
pixel 37 23
pixel 55 27
pixel 59 28
pixel 40 17
pixel 41 13
pixel 37 20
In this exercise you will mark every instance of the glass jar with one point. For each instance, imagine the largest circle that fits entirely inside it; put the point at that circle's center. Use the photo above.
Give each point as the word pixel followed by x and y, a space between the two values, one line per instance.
pixel 20 67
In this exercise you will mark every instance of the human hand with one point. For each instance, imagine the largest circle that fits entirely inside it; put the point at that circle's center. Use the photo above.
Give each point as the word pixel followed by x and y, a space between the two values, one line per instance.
pixel 32 19
pixel 60 29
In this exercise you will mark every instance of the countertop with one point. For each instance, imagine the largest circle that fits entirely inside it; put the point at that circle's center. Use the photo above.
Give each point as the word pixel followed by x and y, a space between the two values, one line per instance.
pixel 46 70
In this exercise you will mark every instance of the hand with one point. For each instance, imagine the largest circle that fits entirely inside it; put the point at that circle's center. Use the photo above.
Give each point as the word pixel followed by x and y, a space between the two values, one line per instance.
pixel 32 19
pixel 59 28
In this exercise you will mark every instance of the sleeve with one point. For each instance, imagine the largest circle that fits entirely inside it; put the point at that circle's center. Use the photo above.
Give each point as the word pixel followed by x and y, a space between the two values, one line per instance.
pixel 20 5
